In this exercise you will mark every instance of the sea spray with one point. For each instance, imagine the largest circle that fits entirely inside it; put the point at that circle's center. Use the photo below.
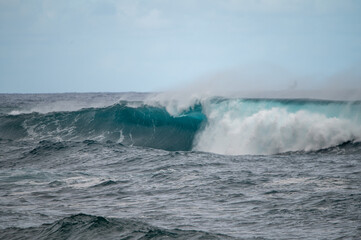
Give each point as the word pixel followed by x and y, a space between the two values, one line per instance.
pixel 274 131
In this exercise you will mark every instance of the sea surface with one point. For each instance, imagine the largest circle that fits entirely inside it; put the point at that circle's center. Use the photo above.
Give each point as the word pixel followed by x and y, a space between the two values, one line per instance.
pixel 146 166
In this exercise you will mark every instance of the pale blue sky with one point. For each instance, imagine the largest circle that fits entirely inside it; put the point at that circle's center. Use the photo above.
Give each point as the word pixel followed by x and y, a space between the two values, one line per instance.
pixel 152 45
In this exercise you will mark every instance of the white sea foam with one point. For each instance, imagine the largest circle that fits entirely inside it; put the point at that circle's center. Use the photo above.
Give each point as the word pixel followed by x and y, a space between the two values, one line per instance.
pixel 268 131
pixel 175 102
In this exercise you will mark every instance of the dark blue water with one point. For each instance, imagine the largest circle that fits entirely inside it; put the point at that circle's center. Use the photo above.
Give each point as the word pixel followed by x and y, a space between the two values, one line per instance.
pixel 108 166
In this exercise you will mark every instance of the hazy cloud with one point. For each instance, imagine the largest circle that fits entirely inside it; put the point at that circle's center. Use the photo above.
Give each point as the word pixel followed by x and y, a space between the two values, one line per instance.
pixel 152 19
pixel 292 6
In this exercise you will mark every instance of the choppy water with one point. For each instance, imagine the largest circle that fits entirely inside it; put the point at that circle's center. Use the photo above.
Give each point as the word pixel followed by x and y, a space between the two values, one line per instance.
pixel 88 166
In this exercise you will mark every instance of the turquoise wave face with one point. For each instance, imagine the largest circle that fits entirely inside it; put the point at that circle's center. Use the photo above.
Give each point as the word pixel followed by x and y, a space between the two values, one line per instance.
pixel 219 125
pixel 141 126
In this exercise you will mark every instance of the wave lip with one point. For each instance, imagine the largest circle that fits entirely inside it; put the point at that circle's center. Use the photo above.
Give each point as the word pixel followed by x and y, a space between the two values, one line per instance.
pixel 83 226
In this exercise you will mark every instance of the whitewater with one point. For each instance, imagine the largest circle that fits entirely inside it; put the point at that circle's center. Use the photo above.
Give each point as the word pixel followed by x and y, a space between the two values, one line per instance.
pixel 152 166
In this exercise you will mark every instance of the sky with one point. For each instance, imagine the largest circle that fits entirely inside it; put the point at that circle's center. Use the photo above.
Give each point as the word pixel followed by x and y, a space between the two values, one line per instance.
pixel 154 45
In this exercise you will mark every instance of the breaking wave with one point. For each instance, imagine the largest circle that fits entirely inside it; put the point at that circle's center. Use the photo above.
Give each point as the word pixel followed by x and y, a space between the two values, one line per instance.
pixel 274 126
pixel 218 125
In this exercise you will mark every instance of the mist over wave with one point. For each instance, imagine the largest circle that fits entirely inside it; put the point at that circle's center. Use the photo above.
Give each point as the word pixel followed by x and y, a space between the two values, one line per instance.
pixel 265 81
pixel 266 109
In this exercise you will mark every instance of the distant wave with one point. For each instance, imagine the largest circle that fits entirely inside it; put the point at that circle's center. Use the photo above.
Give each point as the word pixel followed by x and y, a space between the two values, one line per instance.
pixel 219 125
pixel 82 226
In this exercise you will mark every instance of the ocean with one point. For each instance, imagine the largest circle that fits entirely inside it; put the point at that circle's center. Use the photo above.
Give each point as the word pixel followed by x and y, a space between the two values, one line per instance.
pixel 140 166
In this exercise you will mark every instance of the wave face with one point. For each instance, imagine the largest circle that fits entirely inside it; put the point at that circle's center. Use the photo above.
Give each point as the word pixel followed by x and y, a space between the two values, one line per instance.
pixel 82 226
pixel 218 125
pixel 141 126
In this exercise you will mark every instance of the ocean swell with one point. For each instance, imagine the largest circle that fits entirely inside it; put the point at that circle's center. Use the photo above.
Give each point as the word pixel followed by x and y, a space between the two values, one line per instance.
pixel 82 226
